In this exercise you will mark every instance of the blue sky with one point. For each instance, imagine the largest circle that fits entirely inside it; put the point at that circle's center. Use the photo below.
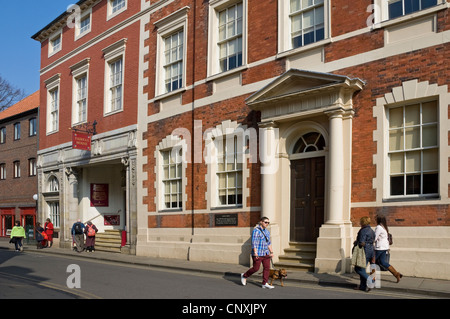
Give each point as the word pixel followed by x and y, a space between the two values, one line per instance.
pixel 19 54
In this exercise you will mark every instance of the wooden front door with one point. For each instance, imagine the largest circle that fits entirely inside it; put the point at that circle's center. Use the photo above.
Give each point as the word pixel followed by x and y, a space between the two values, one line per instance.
pixel 307 198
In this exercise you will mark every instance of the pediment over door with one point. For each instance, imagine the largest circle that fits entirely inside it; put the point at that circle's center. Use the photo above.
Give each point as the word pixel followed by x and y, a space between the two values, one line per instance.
pixel 300 92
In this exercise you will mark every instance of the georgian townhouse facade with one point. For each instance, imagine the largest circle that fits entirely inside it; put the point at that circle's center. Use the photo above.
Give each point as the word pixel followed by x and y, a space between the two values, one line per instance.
pixel 18 172
pixel 90 82
pixel 311 113
pixel 348 105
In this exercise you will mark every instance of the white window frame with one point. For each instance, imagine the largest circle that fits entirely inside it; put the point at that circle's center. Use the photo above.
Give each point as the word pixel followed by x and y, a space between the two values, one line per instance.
pixel 112 11
pixel 2 135
pixel 52 48
pixel 408 93
pixel 16 169
pixel 54 213
pixel 381 13
pixel 213 144
pixel 32 127
pixel 404 150
pixel 79 71
pixel 112 54
pixel 176 22
pixel 53 85
pixel 32 167
pixel 2 171
pixel 17 131
pixel 215 7
pixel 82 31
pixel 284 29
pixel 173 144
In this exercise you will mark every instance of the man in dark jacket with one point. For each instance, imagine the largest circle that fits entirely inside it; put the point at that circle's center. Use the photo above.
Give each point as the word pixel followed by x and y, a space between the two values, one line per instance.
pixel 78 235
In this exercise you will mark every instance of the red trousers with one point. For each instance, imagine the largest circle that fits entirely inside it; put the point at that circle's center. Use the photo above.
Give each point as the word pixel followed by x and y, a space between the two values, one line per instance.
pixel 265 260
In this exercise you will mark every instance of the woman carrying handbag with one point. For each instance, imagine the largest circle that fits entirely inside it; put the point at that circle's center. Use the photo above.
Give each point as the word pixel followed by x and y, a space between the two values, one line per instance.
pixel 364 240
pixel 382 247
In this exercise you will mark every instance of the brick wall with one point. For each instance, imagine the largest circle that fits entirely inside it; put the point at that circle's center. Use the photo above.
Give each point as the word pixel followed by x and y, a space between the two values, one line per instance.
pixel 18 191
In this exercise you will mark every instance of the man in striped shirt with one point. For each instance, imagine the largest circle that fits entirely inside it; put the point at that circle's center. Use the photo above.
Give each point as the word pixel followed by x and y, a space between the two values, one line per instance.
pixel 261 253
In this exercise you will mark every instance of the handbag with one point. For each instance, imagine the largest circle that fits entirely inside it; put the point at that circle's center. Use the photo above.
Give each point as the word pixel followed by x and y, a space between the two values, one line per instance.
pixel 390 240
pixel 359 257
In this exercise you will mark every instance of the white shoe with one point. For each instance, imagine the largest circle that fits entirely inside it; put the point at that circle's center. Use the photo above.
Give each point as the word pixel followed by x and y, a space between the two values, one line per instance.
pixel 267 286
pixel 243 280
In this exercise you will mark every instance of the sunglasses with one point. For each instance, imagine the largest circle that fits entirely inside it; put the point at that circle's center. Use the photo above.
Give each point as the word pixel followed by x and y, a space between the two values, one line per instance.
pixel 266 223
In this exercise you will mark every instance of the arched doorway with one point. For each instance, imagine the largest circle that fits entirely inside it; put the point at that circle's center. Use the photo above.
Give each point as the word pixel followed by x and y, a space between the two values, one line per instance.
pixel 307 188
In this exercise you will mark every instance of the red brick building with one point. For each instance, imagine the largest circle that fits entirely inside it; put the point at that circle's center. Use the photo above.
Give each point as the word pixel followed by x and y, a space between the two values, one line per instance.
pixel 18 172
pixel 312 113
pixel 355 98
pixel 90 82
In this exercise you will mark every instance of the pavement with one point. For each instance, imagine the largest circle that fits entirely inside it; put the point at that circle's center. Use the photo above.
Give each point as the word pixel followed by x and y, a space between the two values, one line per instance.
pixel 413 285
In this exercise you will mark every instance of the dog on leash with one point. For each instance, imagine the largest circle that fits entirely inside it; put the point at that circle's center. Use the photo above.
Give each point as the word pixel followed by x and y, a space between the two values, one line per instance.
pixel 277 274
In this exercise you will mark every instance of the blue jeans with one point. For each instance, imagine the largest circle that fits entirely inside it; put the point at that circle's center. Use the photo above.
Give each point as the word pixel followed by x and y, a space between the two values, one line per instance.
pixel 18 242
pixel 362 275
pixel 380 257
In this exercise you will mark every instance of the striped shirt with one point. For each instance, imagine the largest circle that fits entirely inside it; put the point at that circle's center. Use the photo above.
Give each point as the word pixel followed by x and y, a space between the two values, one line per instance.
pixel 260 242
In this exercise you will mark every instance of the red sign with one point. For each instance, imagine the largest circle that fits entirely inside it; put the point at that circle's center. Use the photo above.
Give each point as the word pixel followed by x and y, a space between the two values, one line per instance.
pixel 81 141
pixel 99 195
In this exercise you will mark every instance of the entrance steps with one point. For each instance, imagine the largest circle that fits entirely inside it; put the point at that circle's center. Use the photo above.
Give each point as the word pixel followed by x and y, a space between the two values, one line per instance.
pixel 110 241
pixel 299 256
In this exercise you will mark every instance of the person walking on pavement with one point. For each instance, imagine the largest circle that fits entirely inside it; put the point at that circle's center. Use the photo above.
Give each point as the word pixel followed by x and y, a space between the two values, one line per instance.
pixel 365 238
pixel 78 234
pixel 48 228
pixel 262 252
pixel 17 234
pixel 90 232
pixel 40 236
pixel 382 247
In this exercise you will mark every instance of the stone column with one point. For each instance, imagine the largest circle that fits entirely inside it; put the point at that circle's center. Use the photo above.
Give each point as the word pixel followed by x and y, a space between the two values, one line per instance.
pixel 70 201
pixel 268 156
pixel 334 213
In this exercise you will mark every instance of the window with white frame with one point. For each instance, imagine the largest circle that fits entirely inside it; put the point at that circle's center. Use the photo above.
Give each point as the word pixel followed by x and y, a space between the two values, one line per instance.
pixel 2 135
pixel 85 24
pixel 229 171
pixel 32 168
pixel 32 127
pixel 55 44
pixel 302 23
pixel 227 35
pixel 230 37
pixel 172 178
pixel 2 171
pixel 307 22
pixel 54 110
pixel 115 7
pixel 54 214
pixel 115 85
pixel 398 8
pixel 414 149
pixel 114 56
pixel 17 131
pixel 81 99
pixel 80 72
pixel 171 52
pixel 173 61
pixel 16 169
pixel 52 120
